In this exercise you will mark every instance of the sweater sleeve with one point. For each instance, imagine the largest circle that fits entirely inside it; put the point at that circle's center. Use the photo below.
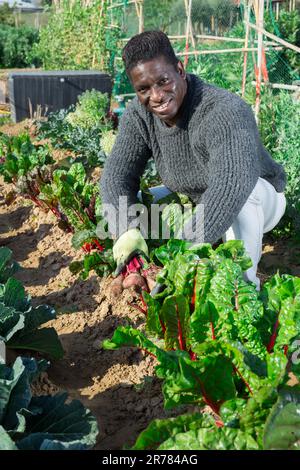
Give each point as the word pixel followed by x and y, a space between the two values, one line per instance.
pixel 125 165
pixel 231 141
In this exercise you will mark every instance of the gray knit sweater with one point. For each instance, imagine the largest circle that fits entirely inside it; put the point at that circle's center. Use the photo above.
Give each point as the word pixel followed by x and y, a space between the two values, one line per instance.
pixel 214 155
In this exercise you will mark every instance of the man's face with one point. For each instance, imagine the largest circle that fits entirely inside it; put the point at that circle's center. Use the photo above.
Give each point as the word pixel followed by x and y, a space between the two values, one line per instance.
pixel 161 87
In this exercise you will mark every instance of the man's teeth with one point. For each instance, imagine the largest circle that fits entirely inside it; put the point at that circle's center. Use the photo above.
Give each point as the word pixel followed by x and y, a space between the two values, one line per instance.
pixel 162 106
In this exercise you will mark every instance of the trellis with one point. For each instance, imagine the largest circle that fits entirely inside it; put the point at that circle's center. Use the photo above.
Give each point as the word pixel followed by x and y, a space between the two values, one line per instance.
pixel 258 47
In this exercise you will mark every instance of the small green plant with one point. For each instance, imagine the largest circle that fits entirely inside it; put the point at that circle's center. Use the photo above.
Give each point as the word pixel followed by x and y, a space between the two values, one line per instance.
pixel 91 110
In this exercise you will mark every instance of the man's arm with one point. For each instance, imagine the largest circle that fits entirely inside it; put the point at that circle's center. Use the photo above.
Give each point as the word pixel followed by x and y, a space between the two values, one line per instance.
pixel 126 164
pixel 232 142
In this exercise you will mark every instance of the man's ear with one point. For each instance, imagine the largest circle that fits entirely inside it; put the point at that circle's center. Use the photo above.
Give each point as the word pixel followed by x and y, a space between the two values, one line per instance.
pixel 181 69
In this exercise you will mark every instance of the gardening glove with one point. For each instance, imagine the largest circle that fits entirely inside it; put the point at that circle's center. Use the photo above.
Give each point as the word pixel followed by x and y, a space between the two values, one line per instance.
pixel 131 254
pixel 128 246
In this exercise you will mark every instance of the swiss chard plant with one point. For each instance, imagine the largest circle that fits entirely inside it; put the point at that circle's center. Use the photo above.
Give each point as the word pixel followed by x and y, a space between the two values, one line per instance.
pixel 215 337
pixel 268 421
pixel 40 422
pixel 79 200
pixel 25 164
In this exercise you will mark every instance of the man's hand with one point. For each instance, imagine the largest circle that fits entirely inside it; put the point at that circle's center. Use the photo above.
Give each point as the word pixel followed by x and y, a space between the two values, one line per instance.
pixel 130 253
pixel 128 245
pixel 134 275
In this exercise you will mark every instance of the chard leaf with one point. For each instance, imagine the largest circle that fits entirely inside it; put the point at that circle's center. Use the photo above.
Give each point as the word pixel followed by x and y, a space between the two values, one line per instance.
pixel 211 439
pixel 153 323
pixel 282 429
pixel 235 250
pixel 127 336
pixel 238 307
pixel 82 236
pixel 175 316
pixel 166 253
pixel 209 379
pixel 160 430
pixel 281 321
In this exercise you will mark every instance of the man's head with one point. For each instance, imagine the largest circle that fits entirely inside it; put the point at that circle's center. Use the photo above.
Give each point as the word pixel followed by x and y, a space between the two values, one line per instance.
pixel 158 77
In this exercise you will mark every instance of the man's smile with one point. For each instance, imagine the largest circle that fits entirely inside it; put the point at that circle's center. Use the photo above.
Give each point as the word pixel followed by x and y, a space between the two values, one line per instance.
pixel 161 108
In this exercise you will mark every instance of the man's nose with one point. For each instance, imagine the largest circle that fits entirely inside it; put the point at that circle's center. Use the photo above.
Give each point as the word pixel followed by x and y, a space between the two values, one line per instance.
pixel 156 94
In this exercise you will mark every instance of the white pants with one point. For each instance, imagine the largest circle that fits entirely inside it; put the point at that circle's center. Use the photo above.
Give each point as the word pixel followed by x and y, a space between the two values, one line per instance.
pixel 260 214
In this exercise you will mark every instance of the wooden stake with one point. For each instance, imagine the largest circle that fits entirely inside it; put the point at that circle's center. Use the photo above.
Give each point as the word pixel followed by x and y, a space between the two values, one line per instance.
pixel 275 38
pixel 247 18
pixel 260 23
pixel 224 51
pixel 188 6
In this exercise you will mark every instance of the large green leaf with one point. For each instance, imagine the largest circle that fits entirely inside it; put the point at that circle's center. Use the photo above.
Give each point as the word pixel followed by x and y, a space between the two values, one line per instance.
pixel 40 423
pixel 128 336
pixel 7 266
pixel 161 430
pixel 6 443
pixel 34 317
pixel 211 439
pixel 10 322
pixel 175 315
pixel 15 392
pixel 44 340
pixel 282 429
pixel 58 425
pixel 14 295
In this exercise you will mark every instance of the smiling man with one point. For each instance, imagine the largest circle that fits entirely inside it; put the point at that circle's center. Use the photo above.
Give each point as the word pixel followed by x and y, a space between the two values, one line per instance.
pixel 205 144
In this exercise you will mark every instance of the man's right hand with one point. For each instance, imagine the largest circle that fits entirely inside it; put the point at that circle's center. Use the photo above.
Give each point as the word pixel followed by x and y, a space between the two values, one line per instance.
pixel 130 253
pixel 134 275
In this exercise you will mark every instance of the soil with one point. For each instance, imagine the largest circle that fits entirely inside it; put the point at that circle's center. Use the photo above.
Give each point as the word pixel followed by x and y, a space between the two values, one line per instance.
pixel 119 387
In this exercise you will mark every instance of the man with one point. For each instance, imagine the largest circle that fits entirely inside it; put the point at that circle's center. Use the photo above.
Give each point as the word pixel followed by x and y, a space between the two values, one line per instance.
pixel 205 144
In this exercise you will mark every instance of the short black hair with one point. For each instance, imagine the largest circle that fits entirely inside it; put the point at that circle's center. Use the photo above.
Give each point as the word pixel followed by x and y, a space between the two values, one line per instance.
pixel 147 46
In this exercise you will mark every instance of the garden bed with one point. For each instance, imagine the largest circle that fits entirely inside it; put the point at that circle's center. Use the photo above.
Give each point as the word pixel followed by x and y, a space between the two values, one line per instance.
pixel 118 386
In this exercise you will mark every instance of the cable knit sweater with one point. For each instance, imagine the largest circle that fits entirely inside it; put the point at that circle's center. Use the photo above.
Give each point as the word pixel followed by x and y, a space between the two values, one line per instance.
pixel 214 155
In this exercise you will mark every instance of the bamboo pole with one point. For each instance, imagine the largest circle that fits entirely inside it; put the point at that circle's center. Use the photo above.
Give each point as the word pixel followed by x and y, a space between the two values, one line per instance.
pixel 223 51
pixel 281 86
pixel 217 38
pixel 275 38
pixel 117 5
pixel 247 18
pixel 141 23
pixel 260 24
pixel 188 9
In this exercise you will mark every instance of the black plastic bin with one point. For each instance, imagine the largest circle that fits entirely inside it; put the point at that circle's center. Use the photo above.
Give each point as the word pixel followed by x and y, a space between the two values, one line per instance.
pixel 43 92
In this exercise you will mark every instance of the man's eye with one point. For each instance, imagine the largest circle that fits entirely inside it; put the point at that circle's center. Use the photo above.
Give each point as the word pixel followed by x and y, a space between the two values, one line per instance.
pixel 163 81
pixel 142 90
